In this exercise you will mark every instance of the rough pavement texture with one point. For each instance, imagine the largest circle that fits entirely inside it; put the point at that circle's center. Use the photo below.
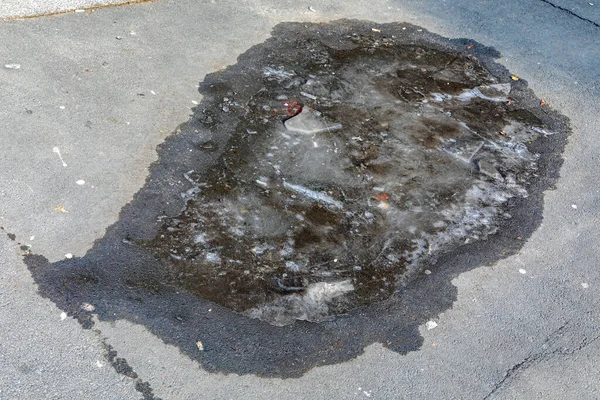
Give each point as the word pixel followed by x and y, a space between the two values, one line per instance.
pixel 508 335
pixel 35 359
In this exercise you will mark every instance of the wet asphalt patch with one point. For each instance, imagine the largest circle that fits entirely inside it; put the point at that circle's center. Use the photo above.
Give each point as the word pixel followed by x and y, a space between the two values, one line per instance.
pixel 318 179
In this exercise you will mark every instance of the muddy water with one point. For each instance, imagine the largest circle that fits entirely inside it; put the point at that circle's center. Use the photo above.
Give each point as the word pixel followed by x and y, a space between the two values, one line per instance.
pixel 350 163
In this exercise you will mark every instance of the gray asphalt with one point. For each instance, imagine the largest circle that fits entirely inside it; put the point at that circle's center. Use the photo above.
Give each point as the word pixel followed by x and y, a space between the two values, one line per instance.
pixel 17 9
pixel 508 335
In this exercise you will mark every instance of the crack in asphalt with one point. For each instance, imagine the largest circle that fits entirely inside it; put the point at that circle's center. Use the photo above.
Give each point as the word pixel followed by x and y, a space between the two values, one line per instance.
pixel 526 363
pixel 543 355
pixel 571 13
pixel 584 343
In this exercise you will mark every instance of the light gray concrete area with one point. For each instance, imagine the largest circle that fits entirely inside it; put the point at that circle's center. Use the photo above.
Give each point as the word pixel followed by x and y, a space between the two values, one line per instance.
pixel 106 87
pixel 15 9
pixel 43 354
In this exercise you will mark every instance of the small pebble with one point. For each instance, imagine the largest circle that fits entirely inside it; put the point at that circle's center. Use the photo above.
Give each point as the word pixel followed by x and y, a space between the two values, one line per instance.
pixel 431 325
pixel 194 102
pixel 12 66
pixel 574 206
pixel 63 316
pixel 80 182
pixel 522 271
pixel 585 285
pixel 69 255
pixel 427 272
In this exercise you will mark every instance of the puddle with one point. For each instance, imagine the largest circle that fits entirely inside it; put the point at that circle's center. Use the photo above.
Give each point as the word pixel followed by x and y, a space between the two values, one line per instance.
pixel 318 179
pixel 347 169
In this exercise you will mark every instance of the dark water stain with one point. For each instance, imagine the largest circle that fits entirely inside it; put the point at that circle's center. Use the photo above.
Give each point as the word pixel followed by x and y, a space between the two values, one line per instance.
pixel 122 367
pixel 132 272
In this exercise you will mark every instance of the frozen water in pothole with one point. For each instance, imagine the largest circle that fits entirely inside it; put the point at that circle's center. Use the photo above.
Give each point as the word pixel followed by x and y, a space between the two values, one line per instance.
pixel 347 169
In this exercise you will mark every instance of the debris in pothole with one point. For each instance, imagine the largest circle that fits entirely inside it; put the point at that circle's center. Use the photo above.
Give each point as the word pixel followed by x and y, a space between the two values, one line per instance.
pixel 87 307
pixel 200 345
pixel 311 305
pixel 309 121
pixel 348 163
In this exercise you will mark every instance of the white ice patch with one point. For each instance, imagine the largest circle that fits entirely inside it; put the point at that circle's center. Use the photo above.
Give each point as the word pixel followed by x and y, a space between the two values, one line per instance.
pixel 278 73
pixel 478 92
pixel 312 305
pixel 314 195
pixel 292 266
pixel 200 238
pixel 258 250
pixel 213 258
pixel 310 121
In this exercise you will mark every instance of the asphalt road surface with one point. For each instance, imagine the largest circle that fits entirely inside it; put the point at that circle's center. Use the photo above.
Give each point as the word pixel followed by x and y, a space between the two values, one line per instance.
pixel 95 93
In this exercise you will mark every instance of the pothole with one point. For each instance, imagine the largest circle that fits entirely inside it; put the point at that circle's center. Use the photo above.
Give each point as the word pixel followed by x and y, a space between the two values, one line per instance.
pixel 353 159
pixel 342 173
